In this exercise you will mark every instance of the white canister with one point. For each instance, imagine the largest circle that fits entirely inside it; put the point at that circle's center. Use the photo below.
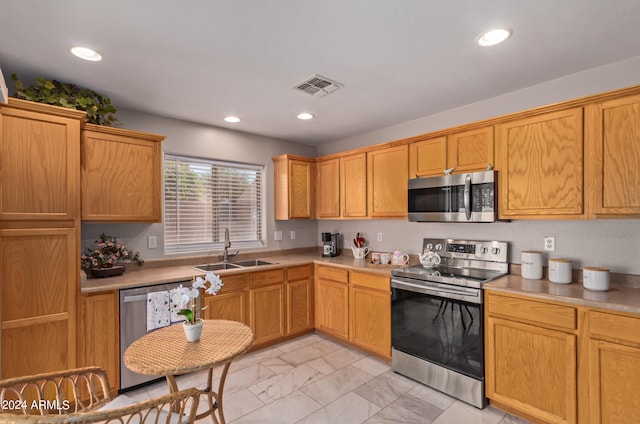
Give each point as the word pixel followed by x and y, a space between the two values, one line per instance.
pixel 531 263
pixel 594 278
pixel 560 271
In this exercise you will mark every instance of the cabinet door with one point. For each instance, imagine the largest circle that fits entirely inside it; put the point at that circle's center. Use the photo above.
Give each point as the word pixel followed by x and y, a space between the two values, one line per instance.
pixel 353 183
pixel 388 182
pixel 100 334
pixel 541 166
pixel 370 320
pixel 300 189
pixel 531 369
pixel 614 367
pixel 230 306
pixel 38 293
pixel 428 157
pixel 332 306
pixel 470 150
pixel 299 306
pixel 121 175
pixel 39 159
pixel 328 191
pixel 613 129
pixel 267 310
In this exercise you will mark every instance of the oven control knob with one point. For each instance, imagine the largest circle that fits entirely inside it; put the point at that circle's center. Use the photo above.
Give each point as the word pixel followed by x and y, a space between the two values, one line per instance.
pixel 484 250
pixel 429 246
pixel 438 246
pixel 495 250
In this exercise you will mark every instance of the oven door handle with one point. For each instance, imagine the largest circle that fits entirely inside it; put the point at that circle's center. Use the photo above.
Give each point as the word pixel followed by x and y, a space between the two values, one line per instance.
pixel 467 196
pixel 449 293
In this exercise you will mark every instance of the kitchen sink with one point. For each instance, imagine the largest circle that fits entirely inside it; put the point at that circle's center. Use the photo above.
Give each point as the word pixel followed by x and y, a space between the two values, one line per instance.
pixel 217 266
pixel 253 262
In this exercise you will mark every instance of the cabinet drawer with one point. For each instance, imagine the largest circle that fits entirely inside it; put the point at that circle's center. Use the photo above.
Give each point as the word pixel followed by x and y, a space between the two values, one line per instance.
pixel 377 282
pixel 265 278
pixel 335 274
pixel 532 311
pixel 614 326
pixel 234 282
pixel 299 272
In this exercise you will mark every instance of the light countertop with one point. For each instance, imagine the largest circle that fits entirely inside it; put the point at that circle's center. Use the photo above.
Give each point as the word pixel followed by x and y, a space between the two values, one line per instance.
pixel 618 298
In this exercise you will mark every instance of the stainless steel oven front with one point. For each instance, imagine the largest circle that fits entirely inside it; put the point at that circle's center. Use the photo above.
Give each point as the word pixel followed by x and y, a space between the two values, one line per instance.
pixel 437 336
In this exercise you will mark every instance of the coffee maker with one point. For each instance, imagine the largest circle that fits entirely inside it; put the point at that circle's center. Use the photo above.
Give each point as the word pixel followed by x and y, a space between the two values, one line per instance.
pixel 330 244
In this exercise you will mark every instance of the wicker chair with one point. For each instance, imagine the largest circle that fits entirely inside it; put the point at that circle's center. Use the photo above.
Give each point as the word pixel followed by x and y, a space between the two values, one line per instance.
pixel 82 396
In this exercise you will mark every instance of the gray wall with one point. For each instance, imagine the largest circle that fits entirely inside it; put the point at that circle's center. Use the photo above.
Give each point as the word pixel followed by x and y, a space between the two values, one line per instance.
pixel 188 138
pixel 609 243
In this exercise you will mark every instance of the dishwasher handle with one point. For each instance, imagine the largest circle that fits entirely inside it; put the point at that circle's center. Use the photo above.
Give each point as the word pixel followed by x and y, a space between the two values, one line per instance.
pixel 135 298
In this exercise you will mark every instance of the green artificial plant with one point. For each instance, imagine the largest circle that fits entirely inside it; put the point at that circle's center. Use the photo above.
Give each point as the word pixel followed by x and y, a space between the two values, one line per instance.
pixel 98 107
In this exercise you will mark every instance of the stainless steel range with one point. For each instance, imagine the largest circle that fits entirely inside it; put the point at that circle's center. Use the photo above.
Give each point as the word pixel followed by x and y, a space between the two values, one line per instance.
pixel 437 329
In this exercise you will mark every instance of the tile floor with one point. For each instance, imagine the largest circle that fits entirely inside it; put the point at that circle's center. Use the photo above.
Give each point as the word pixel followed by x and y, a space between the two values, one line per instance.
pixel 313 379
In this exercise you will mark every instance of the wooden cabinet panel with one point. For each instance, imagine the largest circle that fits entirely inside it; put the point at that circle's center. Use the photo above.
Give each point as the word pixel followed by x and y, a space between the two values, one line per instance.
pixel 265 278
pixel 100 334
pixel 613 129
pixel 330 273
pixel 40 154
pixel 387 182
pixel 470 150
pixel 370 320
pixel 228 305
pixel 328 191
pixel 299 306
pixel 532 370
pixel 131 162
pixel 293 187
pixel 541 163
pixel 39 285
pixel 428 157
pixel 535 312
pixel 267 310
pixel 365 280
pixel 332 308
pixel 353 185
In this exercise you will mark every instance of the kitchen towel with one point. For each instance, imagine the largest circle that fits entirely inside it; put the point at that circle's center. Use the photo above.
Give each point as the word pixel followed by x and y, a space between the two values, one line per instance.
pixel 158 313
pixel 174 310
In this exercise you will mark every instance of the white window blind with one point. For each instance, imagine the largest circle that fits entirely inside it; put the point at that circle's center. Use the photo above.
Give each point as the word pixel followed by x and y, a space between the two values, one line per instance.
pixel 203 197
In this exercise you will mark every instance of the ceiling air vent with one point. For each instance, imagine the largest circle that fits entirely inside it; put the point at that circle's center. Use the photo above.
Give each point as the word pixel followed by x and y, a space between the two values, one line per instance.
pixel 318 86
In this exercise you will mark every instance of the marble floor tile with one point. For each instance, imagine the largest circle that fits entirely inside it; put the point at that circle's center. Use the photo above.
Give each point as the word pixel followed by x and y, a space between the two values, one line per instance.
pixel 385 388
pixel 256 357
pixel 350 408
pixel 244 378
pixel 327 346
pixel 432 396
pixel 277 365
pixel 286 410
pixel 301 355
pixel 299 342
pixel 372 365
pixel 333 386
pixel 282 384
pixel 419 407
pixel 239 404
pixel 460 412
pixel 321 365
pixel 397 414
pixel 343 357
pixel 510 419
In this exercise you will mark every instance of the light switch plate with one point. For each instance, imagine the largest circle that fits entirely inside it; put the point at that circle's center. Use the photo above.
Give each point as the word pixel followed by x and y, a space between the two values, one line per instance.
pixel 152 242
pixel 292 234
pixel 277 235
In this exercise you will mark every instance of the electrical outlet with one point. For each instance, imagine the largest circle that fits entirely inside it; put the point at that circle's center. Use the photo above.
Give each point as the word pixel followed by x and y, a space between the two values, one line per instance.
pixel 292 234
pixel 550 244
pixel 380 236
pixel 277 235
pixel 152 242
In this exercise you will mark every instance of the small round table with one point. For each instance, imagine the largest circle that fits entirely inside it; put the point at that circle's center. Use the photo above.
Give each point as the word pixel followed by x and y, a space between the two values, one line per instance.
pixel 167 352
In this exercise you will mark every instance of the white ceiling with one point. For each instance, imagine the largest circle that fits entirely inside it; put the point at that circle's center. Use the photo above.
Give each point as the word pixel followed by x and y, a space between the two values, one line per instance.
pixel 200 60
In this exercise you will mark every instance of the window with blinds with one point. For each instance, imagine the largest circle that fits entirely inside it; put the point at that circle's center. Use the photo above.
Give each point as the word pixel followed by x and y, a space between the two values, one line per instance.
pixel 204 197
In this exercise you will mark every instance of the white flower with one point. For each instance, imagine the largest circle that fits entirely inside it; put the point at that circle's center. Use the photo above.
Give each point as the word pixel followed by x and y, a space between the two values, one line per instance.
pixel 215 283
pixel 181 296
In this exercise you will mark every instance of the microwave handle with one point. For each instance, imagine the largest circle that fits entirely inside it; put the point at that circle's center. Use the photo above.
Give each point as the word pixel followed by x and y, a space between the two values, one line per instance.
pixel 467 196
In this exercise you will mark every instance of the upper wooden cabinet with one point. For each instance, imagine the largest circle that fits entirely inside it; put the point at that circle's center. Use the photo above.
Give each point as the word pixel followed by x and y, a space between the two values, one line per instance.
pixel 121 175
pixel 293 187
pixel 40 161
pixel 541 166
pixel 470 150
pixel 428 157
pixel 613 131
pixel 328 188
pixel 353 185
pixel 387 182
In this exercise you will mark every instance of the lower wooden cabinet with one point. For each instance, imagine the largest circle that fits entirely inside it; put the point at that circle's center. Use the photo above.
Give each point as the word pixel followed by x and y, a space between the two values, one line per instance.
pixel 299 299
pixel 99 331
pixel 267 305
pixel 231 302
pixel 614 368
pixel 370 312
pixel 332 301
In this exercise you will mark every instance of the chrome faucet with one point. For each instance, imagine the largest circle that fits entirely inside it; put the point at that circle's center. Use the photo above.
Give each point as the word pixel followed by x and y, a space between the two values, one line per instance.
pixel 227 245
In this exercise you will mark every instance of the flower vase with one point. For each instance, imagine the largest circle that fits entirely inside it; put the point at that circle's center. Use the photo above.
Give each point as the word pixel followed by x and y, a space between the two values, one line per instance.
pixel 193 331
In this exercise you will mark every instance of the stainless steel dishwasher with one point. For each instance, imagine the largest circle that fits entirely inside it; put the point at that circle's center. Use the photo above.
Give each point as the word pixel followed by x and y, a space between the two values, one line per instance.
pixel 133 325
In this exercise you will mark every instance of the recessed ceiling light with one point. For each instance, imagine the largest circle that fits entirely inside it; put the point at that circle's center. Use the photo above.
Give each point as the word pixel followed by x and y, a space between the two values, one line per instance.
pixel 232 119
pixel 304 116
pixel 493 37
pixel 86 54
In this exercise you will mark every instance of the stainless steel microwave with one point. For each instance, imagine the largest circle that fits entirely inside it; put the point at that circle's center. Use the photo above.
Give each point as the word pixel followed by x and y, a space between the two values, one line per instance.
pixel 470 197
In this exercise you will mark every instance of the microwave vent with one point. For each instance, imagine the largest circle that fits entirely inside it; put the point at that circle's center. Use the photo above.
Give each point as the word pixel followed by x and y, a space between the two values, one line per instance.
pixel 318 86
